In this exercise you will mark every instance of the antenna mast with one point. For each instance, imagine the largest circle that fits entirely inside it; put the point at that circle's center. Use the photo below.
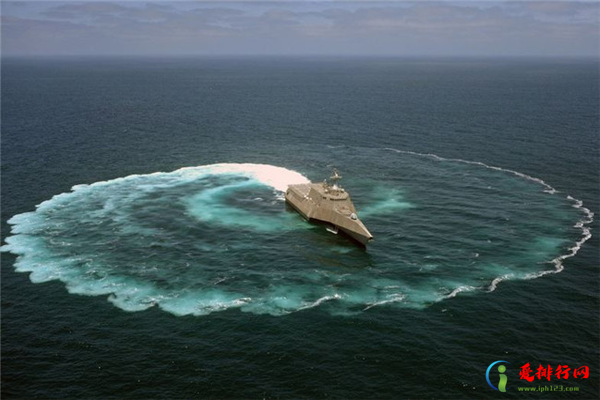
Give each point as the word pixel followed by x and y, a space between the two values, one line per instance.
pixel 335 180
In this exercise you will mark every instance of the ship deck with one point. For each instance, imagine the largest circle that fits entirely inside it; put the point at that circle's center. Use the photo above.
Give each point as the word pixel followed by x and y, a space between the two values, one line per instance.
pixel 302 189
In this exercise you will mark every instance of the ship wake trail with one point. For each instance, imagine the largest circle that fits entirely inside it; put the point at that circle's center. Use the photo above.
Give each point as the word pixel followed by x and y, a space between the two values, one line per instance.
pixel 582 224
pixel 215 237
pixel 142 239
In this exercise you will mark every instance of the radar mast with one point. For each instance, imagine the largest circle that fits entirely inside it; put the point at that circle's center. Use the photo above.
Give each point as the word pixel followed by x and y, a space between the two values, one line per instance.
pixel 335 178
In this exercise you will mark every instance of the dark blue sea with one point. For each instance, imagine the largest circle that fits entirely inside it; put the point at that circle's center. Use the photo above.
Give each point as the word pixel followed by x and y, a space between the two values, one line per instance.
pixel 147 250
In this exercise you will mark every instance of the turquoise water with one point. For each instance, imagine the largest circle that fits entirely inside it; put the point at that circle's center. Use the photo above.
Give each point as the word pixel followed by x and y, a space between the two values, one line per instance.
pixel 211 238
pixel 150 218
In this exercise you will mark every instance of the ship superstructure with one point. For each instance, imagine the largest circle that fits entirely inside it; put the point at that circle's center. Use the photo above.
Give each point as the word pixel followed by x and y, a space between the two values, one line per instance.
pixel 329 203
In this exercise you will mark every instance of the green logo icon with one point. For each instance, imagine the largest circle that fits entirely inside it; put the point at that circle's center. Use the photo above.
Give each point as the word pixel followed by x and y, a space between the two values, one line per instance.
pixel 503 378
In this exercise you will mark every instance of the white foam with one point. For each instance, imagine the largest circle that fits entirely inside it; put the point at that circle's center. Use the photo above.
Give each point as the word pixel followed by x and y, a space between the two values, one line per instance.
pixel 202 302
pixel 394 298
pixel 277 177
pixel 497 280
pixel 548 189
pixel 320 301
pixel 460 289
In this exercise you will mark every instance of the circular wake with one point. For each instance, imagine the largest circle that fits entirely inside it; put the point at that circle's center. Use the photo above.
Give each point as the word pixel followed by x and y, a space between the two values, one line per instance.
pixel 210 238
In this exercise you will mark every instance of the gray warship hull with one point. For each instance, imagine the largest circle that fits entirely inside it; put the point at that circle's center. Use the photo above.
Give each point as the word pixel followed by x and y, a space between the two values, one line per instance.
pixel 329 204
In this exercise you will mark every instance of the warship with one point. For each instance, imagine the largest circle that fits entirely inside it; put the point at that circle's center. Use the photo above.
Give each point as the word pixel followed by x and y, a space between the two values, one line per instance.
pixel 329 203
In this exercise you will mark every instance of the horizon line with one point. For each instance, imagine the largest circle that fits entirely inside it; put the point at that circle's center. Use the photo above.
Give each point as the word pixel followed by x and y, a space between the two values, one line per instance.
pixel 306 55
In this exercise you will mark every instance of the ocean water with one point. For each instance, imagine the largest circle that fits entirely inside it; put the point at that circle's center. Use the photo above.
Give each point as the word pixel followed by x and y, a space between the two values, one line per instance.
pixel 148 252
